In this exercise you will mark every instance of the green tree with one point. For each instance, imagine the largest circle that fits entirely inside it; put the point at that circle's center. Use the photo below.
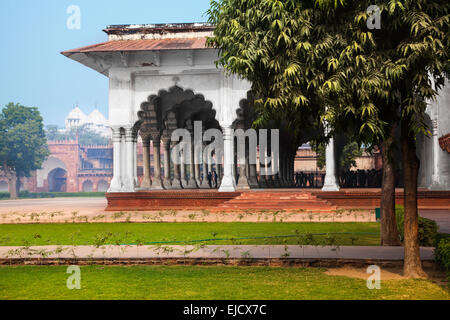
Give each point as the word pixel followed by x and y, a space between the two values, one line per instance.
pixel 266 42
pixel 405 63
pixel 304 55
pixel 23 146
pixel 346 158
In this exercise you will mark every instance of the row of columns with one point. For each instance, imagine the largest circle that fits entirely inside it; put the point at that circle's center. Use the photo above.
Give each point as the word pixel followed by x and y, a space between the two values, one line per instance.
pixel 125 177
pixel 180 177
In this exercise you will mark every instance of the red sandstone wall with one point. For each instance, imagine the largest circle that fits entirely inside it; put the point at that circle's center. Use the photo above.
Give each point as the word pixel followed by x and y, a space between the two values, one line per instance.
pixel 68 152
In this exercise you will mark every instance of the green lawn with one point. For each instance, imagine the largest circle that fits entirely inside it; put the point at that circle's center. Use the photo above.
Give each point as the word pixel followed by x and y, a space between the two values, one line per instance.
pixel 189 282
pixel 145 233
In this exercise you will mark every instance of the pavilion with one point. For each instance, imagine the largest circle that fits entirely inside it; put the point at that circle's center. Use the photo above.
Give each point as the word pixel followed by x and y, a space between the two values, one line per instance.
pixel 163 77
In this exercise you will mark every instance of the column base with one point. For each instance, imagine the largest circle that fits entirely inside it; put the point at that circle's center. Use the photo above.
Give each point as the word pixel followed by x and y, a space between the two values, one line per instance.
pixel 167 184
pixel 253 183
pixel 176 184
pixel 227 185
pixel 243 183
pixel 128 185
pixel 330 185
pixel 157 184
pixel 145 184
pixel 115 186
pixel 191 184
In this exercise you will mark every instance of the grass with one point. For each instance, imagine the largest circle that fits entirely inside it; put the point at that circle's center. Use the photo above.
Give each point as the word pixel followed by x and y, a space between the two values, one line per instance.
pixel 194 282
pixel 132 233
pixel 38 195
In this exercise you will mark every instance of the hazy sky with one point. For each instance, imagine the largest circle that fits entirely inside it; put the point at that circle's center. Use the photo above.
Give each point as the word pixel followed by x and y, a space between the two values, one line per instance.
pixel 34 32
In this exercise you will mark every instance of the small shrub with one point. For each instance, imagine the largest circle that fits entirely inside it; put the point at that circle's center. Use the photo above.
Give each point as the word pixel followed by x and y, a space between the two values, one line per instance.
pixel 442 251
pixel 427 228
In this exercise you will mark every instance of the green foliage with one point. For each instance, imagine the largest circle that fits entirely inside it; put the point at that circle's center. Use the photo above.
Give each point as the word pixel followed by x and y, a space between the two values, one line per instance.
pixel 301 56
pixel 347 157
pixel 384 75
pixel 268 43
pixel 442 252
pixel 86 136
pixel 23 146
pixel 427 228
pixel 350 152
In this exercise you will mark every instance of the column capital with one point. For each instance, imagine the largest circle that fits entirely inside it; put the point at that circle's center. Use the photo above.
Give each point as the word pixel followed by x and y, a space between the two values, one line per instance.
pixel 156 141
pixel 116 134
pixel 227 131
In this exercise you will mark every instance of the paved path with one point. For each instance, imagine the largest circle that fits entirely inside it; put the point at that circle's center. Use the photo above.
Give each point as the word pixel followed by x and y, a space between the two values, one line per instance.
pixel 213 251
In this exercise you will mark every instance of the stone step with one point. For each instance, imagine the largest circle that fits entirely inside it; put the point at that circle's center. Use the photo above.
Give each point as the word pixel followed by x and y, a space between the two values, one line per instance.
pixel 279 203
pixel 271 200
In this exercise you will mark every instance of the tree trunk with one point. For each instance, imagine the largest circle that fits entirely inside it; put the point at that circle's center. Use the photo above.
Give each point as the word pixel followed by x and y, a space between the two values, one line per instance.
pixel 412 267
pixel 12 183
pixel 18 184
pixel 389 231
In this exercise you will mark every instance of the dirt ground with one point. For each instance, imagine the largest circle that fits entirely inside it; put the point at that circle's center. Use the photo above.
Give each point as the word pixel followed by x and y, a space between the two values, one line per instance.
pixel 63 210
pixel 435 275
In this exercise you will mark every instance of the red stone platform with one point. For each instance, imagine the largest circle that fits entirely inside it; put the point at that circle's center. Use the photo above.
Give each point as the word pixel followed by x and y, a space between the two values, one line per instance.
pixel 371 198
pixel 167 199
pixel 266 199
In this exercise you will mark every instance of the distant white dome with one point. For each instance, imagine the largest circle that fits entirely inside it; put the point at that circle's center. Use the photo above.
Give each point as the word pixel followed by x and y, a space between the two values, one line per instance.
pixel 96 118
pixel 96 121
pixel 75 118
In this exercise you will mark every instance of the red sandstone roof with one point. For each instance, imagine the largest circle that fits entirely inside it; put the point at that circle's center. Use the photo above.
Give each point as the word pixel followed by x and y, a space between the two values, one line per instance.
pixel 445 142
pixel 143 45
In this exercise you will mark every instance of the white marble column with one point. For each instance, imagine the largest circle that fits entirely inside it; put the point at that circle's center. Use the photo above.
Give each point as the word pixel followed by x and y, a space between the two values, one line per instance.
pixel 204 184
pixel 331 181
pixel 128 176
pixel 228 183
pixel 136 180
pixel 183 171
pixel 166 145
pixel 146 180
pixel 157 182
pixel 243 183
pixel 176 182
pixel 192 183
pixel 116 182
pixel 435 183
